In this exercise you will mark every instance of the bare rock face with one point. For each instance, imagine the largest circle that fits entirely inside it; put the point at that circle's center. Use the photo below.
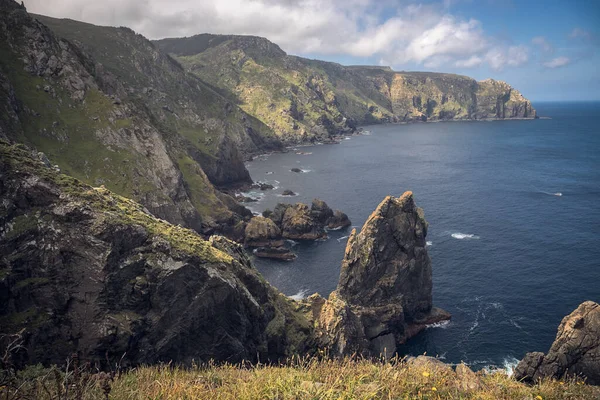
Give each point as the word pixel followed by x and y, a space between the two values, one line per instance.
pixel 85 270
pixel 575 351
pixel 384 293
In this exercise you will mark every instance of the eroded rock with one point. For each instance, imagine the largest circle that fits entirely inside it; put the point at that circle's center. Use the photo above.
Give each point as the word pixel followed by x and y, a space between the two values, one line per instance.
pixel 575 351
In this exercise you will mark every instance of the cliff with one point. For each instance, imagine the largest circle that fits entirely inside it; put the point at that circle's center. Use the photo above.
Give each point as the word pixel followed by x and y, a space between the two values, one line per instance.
pixel 110 109
pixel 304 100
pixel 83 270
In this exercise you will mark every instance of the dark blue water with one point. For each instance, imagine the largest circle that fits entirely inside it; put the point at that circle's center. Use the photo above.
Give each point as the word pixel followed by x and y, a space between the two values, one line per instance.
pixel 510 257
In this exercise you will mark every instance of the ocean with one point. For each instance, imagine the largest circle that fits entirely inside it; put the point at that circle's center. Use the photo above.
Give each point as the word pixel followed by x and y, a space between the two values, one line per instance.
pixel 514 221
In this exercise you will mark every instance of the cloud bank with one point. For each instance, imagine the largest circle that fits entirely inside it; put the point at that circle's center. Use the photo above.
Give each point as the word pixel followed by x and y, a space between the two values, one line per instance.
pixel 397 35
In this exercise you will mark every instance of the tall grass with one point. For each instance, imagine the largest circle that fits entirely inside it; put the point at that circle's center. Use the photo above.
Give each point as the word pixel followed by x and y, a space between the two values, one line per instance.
pixel 308 378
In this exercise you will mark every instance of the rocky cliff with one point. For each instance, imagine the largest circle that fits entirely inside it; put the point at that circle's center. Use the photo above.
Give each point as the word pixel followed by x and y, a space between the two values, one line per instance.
pixel 85 270
pixel 575 351
pixel 304 100
pixel 110 109
pixel 384 292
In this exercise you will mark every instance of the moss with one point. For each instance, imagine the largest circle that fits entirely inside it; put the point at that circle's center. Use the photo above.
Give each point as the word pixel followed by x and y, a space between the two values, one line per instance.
pixel 31 282
pixel 21 225
pixel 116 209
pixel 30 318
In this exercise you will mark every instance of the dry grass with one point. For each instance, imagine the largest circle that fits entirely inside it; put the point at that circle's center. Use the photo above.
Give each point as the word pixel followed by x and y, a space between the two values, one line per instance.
pixel 308 379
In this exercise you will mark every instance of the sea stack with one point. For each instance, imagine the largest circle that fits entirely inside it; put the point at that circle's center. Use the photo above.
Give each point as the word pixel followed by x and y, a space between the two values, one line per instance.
pixel 384 292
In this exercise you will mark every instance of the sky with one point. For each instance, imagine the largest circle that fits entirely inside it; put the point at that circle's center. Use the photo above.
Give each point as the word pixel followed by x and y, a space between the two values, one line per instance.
pixel 548 50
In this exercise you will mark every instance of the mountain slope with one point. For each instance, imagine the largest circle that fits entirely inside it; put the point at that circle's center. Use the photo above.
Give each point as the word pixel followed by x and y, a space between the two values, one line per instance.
pixel 83 270
pixel 303 99
pixel 108 108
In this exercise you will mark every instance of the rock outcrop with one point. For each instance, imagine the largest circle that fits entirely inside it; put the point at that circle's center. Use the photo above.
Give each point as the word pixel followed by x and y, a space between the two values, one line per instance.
pixel 384 293
pixel 299 222
pixel 265 237
pixel 85 270
pixel 575 351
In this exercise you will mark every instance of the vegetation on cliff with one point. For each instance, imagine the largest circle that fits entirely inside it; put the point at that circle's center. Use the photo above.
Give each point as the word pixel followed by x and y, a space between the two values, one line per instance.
pixel 300 379
pixel 303 99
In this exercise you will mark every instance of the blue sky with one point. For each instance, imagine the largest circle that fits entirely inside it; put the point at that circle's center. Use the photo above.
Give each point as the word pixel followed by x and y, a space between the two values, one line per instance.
pixel 548 50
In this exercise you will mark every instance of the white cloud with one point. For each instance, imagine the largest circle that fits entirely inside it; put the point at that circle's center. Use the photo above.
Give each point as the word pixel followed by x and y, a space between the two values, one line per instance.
pixel 580 33
pixel 557 62
pixel 543 44
pixel 473 61
pixel 400 33
pixel 513 56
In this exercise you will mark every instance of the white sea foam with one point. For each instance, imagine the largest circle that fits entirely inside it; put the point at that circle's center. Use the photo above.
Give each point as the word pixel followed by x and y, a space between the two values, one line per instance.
pixel 292 242
pixel 462 236
pixel 442 324
pixel 269 172
pixel 508 366
pixel 347 138
pixel 334 229
pixel 306 170
pixel 300 295
pixel 428 243
pixel 342 238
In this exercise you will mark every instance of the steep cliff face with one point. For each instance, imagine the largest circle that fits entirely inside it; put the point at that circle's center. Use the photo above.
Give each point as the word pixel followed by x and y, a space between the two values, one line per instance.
pixel 384 293
pixel 110 109
pixel 304 99
pixel 85 270
pixel 575 351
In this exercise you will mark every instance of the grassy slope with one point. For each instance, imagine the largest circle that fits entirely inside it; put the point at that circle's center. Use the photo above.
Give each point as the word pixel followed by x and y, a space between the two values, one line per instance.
pixel 312 379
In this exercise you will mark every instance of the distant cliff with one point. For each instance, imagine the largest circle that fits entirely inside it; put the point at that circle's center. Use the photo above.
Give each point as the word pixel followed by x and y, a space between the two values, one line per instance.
pixel 303 99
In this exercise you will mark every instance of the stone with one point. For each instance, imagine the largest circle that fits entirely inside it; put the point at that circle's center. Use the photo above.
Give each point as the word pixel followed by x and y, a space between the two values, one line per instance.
pixel 466 379
pixel 262 232
pixel 574 353
pixel 298 224
pixel 288 192
pixel 297 170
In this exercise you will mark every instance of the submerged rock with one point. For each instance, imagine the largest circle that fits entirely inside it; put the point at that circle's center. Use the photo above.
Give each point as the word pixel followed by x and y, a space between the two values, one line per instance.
pixel 297 170
pixel 288 192
pixel 575 351
pixel 384 292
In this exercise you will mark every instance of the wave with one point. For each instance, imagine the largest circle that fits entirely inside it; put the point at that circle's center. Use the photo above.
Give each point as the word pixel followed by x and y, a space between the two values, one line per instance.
pixel 428 243
pixel 305 170
pixel 292 242
pixel 442 325
pixel 462 236
pixel 550 193
pixel 508 366
pixel 342 238
pixel 269 172
pixel 347 138
pixel 300 295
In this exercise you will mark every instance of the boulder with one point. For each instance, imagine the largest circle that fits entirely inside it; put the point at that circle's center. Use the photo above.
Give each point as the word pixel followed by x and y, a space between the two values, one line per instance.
pixel 297 170
pixel 338 221
pixel 298 224
pixel 262 232
pixel 575 351
pixel 288 192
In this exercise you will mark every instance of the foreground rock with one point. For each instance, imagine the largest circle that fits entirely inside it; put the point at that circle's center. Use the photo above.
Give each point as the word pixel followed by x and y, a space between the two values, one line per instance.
pixel 575 351
pixel 384 293
pixel 84 270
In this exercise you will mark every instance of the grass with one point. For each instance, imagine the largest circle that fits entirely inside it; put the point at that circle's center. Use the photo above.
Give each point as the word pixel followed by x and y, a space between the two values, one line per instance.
pixel 304 379
pixel 112 208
